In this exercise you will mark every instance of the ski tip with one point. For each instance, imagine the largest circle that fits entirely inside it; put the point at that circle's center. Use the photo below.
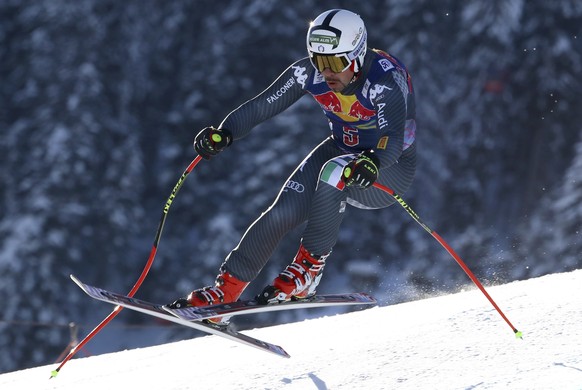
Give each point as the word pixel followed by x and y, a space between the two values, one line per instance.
pixel 76 280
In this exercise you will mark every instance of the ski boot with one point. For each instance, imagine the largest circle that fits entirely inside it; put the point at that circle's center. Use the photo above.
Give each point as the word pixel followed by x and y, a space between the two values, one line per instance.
pixel 298 281
pixel 226 289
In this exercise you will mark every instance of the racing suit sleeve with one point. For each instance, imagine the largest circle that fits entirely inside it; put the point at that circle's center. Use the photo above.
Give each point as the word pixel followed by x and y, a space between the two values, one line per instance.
pixel 279 96
pixel 391 108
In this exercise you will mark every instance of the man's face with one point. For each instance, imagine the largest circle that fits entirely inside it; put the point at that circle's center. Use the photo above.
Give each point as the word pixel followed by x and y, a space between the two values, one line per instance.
pixel 337 81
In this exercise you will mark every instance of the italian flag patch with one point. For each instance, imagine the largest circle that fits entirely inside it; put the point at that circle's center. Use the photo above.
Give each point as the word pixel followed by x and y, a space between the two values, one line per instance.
pixel 332 175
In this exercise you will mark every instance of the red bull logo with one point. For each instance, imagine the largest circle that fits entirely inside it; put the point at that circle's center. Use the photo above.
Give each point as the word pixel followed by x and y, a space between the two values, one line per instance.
pixel 329 102
pixel 347 108
pixel 357 110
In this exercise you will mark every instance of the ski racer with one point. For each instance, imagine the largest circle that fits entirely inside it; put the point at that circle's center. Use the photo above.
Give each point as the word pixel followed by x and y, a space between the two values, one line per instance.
pixel 367 97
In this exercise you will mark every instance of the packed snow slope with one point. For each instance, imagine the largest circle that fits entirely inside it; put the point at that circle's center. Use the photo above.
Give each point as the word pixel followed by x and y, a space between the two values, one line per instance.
pixel 449 342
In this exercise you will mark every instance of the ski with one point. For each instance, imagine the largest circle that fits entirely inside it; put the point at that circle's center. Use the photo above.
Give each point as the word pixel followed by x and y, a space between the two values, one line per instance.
pixel 253 307
pixel 156 310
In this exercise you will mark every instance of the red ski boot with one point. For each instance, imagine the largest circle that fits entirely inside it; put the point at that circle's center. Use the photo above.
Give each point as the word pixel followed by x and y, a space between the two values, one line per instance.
pixel 299 279
pixel 226 289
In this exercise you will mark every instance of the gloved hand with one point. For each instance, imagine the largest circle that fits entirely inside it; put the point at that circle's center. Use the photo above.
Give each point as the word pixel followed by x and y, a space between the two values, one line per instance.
pixel 210 141
pixel 362 171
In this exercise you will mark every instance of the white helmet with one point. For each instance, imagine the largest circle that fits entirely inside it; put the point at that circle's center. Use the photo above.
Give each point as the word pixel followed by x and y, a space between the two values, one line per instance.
pixel 337 39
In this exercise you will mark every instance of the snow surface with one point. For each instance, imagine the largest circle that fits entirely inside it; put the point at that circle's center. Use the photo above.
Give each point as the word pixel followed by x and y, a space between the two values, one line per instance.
pixel 449 342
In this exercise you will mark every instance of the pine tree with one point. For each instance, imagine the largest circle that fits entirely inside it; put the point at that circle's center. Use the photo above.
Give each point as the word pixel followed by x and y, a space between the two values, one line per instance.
pixel 73 169
pixel 552 235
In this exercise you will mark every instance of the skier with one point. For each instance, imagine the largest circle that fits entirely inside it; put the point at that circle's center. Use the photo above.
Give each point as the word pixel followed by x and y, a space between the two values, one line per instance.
pixel 368 99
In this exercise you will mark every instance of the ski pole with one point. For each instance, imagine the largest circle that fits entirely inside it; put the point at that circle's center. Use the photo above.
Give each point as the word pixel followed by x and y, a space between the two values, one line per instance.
pixel 144 273
pixel 448 248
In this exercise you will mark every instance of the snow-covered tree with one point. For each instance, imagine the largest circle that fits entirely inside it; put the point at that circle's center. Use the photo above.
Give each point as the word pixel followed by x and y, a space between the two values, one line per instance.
pixel 101 100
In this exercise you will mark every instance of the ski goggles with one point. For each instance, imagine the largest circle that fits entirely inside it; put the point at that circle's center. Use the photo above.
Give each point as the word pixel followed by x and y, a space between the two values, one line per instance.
pixel 337 63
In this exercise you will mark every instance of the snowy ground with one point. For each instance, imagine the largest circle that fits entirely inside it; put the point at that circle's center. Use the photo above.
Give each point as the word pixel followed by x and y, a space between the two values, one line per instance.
pixel 450 342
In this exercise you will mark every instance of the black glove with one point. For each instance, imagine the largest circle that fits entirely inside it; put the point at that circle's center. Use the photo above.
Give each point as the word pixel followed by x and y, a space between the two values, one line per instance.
pixel 210 141
pixel 362 171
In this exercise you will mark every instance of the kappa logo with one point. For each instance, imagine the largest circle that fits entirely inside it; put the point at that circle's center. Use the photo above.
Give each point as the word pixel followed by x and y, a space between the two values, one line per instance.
pixel 300 75
pixel 377 90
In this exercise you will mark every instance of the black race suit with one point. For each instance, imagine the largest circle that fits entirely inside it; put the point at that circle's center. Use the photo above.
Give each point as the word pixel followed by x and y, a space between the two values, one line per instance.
pixel 376 111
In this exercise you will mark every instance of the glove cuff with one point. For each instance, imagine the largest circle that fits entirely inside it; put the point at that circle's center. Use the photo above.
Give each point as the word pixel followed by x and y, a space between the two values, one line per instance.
pixel 371 155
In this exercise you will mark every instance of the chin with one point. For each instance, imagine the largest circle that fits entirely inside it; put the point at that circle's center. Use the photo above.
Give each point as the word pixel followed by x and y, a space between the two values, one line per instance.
pixel 336 87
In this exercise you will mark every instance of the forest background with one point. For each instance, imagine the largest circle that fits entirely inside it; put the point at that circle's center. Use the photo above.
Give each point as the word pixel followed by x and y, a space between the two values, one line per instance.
pixel 101 99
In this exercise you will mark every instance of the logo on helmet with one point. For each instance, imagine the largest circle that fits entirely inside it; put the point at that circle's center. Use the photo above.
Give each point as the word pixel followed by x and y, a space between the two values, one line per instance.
pixel 324 39
pixel 357 38
pixel 360 48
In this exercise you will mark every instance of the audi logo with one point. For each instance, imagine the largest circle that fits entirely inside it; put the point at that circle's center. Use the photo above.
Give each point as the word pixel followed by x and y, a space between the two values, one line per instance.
pixel 293 185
